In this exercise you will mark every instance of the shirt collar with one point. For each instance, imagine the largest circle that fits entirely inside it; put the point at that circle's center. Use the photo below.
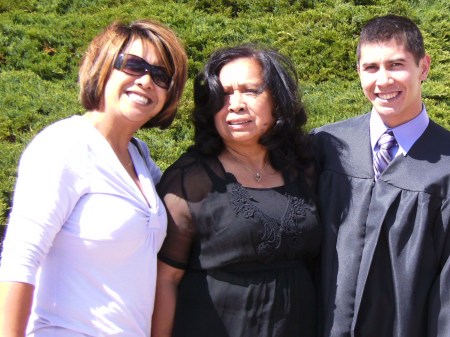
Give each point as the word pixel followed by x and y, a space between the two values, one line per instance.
pixel 406 134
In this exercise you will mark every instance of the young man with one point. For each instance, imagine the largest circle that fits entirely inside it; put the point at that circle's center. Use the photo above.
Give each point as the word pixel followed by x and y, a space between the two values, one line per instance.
pixel 385 198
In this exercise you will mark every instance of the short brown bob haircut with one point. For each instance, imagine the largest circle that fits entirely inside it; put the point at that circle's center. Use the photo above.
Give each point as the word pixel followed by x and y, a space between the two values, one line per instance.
pixel 98 62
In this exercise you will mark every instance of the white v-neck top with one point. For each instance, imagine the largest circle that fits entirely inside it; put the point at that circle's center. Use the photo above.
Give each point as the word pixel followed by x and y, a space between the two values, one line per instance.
pixel 83 233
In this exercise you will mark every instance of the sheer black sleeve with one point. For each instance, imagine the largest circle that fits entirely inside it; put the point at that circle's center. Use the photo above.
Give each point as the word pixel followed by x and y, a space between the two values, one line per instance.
pixel 183 186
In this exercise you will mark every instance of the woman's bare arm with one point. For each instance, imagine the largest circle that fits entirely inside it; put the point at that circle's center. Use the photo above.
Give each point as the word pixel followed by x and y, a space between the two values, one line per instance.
pixel 165 299
pixel 15 307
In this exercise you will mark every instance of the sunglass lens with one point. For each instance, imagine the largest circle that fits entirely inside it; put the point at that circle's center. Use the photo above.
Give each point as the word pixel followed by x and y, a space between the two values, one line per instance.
pixel 160 77
pixel 134 66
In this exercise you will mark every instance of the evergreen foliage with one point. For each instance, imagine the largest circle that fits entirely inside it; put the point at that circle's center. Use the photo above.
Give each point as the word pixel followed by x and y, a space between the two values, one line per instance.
pixel 42 41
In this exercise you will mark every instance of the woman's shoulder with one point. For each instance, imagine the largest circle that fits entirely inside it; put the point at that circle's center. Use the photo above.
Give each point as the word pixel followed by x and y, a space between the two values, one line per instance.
pixel 192 170
pixel 58 137
pixel 63 132
pixel 57 151
pixel 191 159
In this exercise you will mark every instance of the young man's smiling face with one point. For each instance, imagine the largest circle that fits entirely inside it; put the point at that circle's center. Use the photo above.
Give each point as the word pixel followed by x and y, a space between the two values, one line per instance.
pixel 391 80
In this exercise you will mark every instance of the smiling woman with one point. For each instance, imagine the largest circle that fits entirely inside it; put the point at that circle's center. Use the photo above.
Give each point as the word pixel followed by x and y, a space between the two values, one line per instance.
pixel 133 99
pixel 101 217
pixel 104 55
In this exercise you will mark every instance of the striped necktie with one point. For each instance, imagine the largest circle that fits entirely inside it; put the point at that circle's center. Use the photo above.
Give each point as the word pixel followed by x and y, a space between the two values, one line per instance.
pixel 382 157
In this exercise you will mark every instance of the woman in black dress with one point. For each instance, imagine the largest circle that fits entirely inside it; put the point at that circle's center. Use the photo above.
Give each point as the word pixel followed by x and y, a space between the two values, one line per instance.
pixel 243 233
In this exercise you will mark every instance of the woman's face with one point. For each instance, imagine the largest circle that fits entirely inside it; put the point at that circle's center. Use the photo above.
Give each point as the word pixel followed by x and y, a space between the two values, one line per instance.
pixel 135 99
pixel 247 111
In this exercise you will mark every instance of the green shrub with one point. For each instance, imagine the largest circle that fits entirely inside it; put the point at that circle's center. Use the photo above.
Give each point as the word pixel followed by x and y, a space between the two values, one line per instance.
pixel 42 42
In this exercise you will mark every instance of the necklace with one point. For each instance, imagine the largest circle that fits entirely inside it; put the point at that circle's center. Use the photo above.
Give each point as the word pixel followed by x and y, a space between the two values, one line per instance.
pixel 127 165
pixel 256 174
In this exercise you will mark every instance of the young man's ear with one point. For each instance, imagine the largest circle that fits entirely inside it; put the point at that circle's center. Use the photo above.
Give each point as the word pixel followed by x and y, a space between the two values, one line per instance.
pixel 425 67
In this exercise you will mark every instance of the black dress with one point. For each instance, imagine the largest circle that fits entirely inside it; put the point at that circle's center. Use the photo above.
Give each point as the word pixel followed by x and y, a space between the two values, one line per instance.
pixel 248 253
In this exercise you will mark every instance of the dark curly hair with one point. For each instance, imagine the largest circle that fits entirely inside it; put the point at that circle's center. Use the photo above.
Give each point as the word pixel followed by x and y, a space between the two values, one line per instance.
pixel 287 142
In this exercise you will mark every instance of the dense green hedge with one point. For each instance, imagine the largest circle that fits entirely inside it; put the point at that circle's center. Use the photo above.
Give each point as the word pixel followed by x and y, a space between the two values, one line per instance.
pixel 41 43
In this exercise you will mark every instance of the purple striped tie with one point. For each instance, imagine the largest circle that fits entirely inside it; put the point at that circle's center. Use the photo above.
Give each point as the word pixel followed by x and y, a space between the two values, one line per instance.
pixel 382 157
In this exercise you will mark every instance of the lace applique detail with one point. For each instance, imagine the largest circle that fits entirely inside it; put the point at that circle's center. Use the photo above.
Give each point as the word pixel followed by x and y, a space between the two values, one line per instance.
pixel 275 234
pixel 241 201
pixel 289 228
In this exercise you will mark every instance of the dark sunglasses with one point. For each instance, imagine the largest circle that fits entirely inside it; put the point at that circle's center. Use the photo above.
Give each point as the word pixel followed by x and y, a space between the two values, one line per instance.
pixel 137 66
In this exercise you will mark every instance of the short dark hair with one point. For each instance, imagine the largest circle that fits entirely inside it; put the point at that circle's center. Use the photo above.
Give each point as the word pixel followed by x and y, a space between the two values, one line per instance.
pixel 286 141
pixel 99 59
pixel 393 27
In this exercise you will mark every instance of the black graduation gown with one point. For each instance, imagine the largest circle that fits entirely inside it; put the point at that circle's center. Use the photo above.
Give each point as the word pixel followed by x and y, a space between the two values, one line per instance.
pixel 386 266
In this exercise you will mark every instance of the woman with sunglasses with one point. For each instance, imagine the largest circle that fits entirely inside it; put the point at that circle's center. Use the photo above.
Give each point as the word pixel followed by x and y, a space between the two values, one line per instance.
pixel 243 233
pixel 79 256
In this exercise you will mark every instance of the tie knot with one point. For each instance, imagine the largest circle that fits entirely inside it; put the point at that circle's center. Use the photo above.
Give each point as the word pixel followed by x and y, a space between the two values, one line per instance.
pixel 383 157
pixel 387 140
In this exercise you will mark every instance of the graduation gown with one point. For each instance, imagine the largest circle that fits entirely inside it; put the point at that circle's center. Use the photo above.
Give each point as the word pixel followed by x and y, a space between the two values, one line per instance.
pixel 385 256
